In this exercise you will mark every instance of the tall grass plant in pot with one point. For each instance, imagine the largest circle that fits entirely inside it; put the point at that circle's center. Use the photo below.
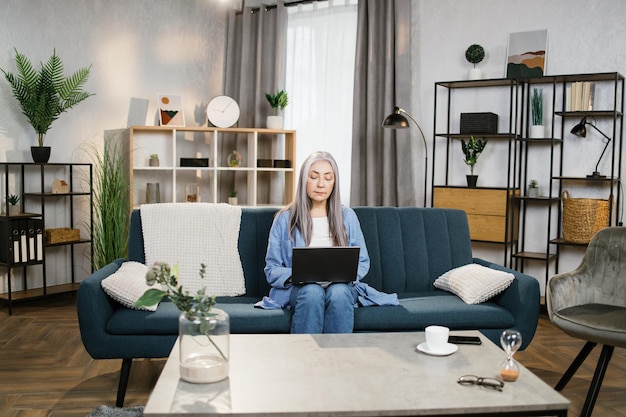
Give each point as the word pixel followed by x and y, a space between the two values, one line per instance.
pixel 110 204
pixel 537 129
pixel 278 102
pixel 44 94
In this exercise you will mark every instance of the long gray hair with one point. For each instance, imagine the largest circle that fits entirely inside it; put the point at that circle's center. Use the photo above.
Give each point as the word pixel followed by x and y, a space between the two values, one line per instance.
pixel 300 207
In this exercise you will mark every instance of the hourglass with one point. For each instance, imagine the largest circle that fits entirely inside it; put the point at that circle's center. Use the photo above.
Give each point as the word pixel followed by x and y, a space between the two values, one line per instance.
pixel 510 341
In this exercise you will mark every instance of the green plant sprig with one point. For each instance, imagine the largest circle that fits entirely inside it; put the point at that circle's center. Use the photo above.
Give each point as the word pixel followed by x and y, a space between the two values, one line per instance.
pixel 472 150
pixel 192 305
pixel 45 94
pixel 278 101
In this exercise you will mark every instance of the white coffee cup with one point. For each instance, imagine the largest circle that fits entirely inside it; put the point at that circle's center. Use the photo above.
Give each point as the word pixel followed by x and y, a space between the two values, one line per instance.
pixel 436 337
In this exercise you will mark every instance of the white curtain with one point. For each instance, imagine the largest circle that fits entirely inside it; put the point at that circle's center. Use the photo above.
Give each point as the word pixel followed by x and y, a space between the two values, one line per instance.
pixel 321 42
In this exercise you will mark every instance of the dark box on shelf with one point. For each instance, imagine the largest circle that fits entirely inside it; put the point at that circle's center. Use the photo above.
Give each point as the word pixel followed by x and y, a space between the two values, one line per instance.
pixel 282 163
pixel 194 162
pixel 479 123
pixel 264 163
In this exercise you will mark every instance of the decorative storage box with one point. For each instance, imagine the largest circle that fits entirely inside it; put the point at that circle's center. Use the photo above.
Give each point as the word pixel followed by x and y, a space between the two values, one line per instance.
pixel 479 123
pixel 264 163
pixel 282 163
pixel 61 235
pixel 194 162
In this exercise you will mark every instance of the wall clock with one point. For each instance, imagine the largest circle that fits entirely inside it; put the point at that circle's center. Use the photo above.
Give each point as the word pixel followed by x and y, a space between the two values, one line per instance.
pixel 222 111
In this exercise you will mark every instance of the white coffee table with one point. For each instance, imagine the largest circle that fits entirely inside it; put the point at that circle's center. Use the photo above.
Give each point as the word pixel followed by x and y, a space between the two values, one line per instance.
pixel 363 374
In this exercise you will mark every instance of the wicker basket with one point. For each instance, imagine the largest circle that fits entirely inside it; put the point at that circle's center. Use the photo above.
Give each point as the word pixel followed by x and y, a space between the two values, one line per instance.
pixel 61 235
pixel 583 217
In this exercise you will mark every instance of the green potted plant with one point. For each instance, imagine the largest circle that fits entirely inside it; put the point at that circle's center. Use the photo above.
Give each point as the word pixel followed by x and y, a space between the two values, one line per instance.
pixel 45 94
pixel 537 129
pixel 232 198
pixel 472 150
pixel 154 160
pixel 278 102
pixel 533 189
pixel 474 54
pixel 14 209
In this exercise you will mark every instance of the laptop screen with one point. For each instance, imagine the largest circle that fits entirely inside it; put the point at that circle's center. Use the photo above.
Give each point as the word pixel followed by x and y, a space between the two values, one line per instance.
pixel 325 263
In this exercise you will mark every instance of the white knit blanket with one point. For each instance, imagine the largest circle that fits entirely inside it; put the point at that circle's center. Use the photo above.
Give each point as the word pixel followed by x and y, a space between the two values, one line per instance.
pixel 188 234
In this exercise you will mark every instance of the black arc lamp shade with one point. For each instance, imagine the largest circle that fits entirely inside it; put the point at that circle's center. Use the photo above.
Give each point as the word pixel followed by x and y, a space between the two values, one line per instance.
pixel 396 120
pixel 581 130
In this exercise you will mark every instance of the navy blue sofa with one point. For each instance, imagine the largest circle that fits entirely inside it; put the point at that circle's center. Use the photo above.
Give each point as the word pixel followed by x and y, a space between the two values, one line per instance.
pixel 409 248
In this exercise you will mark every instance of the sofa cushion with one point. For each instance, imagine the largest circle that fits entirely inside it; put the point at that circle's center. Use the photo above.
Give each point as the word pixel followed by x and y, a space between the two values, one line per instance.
pixel 127 284
pixel 420 309
pixel 244 318
pixel 474 283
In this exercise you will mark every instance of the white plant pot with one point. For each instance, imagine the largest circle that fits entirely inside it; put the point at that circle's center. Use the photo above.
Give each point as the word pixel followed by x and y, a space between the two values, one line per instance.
pixel 533 192
pixel 275 122
pixel 14 210
pixel 537 131
pixel 233 201
pixel 474 74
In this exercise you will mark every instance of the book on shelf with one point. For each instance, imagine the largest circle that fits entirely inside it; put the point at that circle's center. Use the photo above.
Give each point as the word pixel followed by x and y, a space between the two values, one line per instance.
pixel 580 96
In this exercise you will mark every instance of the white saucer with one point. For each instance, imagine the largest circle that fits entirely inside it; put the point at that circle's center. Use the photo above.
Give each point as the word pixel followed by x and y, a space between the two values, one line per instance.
pixel 448 350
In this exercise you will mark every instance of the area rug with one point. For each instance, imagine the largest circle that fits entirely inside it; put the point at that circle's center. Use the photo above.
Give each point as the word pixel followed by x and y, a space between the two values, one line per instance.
pixel 106 411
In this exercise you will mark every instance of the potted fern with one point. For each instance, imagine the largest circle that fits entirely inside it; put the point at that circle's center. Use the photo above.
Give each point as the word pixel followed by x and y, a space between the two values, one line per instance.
pixel 278 102
pixel 44 94
pixel 472 150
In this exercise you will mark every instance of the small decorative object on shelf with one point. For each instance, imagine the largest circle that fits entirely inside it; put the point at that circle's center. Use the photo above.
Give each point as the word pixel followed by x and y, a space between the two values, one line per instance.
pixel 14 209
pixel 204 331
pixel 45 94
pixel 537 130
pixel 472 150
pixel 511 340
pixel 278 102
pixel 60 187
pixel 232 198
pixel 474 55
pixel 153 193
pixel 192 192
pixel 154 160
pixel 234 159
pixel 533 189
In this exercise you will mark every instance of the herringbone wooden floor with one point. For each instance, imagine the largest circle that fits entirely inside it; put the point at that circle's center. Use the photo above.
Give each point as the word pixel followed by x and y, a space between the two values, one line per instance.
pixel 45 371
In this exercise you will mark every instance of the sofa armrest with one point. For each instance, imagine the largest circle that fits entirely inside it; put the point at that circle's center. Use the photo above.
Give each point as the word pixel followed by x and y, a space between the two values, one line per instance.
pixel 94 309
pixel 522 299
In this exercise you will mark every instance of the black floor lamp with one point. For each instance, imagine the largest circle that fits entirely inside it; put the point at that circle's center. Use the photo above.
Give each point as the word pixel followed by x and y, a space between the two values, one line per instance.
pixel 397 121
pixel 581 130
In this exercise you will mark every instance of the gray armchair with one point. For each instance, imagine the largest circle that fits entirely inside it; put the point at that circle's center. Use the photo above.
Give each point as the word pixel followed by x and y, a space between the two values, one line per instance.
pixel 589 303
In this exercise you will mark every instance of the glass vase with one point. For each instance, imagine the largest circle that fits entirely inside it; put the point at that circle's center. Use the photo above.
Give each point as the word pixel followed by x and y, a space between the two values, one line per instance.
pixel 234 159
pixel 204 347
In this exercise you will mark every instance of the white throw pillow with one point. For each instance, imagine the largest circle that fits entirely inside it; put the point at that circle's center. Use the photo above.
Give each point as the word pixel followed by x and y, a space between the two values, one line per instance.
pixel 474 283
pixel 127 284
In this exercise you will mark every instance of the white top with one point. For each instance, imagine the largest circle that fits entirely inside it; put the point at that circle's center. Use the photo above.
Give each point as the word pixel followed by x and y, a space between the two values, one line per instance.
pixel 321 232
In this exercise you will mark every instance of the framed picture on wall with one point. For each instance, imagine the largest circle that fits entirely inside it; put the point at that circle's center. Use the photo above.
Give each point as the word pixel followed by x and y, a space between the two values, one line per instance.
pixel 171 110
pixel 526 54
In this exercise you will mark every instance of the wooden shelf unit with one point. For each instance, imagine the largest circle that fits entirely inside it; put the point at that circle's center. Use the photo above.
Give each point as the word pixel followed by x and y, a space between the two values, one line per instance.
pixel 252 182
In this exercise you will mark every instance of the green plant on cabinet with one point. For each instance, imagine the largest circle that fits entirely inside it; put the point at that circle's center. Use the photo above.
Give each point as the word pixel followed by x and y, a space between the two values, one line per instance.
pixel 472 150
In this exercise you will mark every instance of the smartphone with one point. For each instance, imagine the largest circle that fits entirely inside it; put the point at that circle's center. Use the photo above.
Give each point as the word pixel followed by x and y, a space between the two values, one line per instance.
pixel 464 340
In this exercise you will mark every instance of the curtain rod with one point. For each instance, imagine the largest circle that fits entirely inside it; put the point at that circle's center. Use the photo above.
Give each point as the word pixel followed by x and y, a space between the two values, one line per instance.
pixel 273 6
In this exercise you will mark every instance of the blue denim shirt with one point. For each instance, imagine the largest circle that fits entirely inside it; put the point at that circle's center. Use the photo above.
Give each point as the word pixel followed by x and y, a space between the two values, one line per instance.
pixel 278 257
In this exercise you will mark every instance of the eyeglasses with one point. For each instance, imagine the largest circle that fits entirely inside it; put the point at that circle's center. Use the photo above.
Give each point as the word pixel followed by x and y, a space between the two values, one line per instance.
pixel 489 383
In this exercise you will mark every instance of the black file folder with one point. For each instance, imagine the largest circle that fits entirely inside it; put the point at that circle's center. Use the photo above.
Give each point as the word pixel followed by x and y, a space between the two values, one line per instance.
pixel 24 241
pixel 15 235
pixel 6 242
pixel 32 255
pixel 39 240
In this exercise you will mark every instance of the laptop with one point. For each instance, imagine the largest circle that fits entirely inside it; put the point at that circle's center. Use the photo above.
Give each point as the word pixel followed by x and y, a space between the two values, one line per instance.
pixel 324 263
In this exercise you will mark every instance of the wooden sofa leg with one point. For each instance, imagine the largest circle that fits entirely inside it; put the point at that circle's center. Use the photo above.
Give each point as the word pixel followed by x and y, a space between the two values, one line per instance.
pixel 121 388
